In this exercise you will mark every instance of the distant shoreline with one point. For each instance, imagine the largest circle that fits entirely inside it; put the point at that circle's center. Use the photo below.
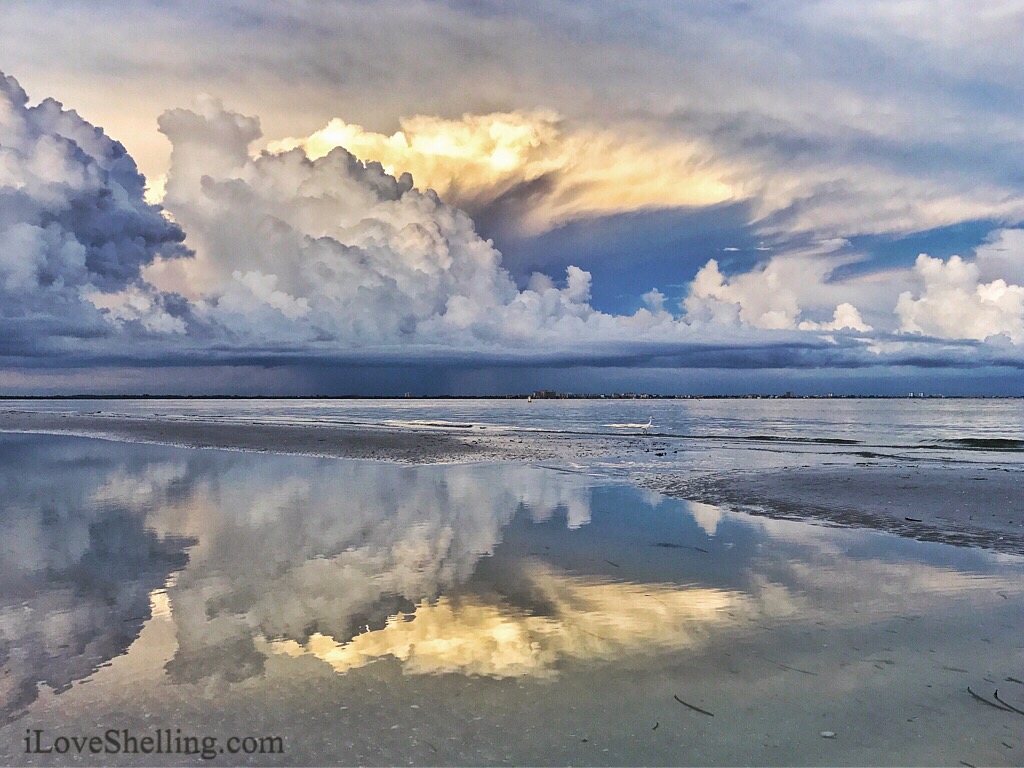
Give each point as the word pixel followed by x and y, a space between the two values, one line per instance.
pixel 558 396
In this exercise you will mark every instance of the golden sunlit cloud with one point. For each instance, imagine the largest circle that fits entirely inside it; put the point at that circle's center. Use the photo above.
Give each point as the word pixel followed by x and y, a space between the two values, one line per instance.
pixel 475 160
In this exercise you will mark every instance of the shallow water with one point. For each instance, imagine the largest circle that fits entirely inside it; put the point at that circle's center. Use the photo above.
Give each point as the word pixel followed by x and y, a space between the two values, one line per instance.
pixel 474 614
pixel 702 435
pixel 993 424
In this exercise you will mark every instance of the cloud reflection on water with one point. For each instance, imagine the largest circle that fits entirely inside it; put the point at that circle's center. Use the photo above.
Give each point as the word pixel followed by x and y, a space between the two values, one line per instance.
pixel 586 617
pixel 75 575
pixel 496 570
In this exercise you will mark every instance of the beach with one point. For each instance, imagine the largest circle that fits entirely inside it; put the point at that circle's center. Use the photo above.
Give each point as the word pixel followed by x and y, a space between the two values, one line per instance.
pixel 476 583
pixel 461 383
pixel 446 607
pixel 964 505
pixel 978 501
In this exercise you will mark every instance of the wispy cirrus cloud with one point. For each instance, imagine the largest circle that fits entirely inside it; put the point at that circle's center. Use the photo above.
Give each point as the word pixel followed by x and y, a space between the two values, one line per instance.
pixel 786 103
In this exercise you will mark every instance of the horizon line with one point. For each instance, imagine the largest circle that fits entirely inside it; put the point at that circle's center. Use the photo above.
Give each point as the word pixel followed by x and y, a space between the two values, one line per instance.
pixel 524 396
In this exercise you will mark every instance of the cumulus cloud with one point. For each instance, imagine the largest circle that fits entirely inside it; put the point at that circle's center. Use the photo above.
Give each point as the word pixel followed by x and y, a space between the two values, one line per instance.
pixel 954 303
pixel 846 317
pixel 73 225
pixel 954 299
pixel 776 294
pixel 312 253
pixel 140 303
pixel 327 257
pixel 357 255
pixel 338 255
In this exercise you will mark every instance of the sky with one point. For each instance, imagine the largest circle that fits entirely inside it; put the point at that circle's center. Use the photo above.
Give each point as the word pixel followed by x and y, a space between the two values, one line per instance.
pixel 302 197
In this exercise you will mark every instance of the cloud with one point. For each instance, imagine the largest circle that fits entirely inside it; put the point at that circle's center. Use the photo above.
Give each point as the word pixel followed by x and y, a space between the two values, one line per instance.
pixel 73 224
pixel 140 303
pixel 324 259
pixel 778 100
pixel 531 171
pixel 531 165
pixel 1001 256
pixel 330 250
pixel 954 303
pixel 775 294
pixel 337 255
pixel 846 317
pixel 942 300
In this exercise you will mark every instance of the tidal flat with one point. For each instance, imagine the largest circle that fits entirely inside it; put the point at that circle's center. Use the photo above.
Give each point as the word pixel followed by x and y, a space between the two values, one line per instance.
pixel 484 612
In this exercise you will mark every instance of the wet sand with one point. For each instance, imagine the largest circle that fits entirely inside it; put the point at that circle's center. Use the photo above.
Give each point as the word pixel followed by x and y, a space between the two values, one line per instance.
pixel 967 504
pixel 955 503
pixel 313 440
pixel 343 441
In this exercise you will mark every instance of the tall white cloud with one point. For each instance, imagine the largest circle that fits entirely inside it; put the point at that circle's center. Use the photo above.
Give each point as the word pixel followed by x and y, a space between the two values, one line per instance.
pixel 954 303
pixel 73 222
pixel 337 254
pixel 777 294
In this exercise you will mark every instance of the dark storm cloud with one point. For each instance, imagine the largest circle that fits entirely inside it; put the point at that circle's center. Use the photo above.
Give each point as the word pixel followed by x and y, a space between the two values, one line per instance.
pixel 72 221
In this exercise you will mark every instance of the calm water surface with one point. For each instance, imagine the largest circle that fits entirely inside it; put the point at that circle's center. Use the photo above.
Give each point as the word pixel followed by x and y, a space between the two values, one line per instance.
pixel 902 422
pixel 700 435
pixel 383 614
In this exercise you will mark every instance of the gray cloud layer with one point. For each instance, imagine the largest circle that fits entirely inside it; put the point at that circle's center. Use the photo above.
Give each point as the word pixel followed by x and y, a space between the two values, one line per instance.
pixel 833 118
